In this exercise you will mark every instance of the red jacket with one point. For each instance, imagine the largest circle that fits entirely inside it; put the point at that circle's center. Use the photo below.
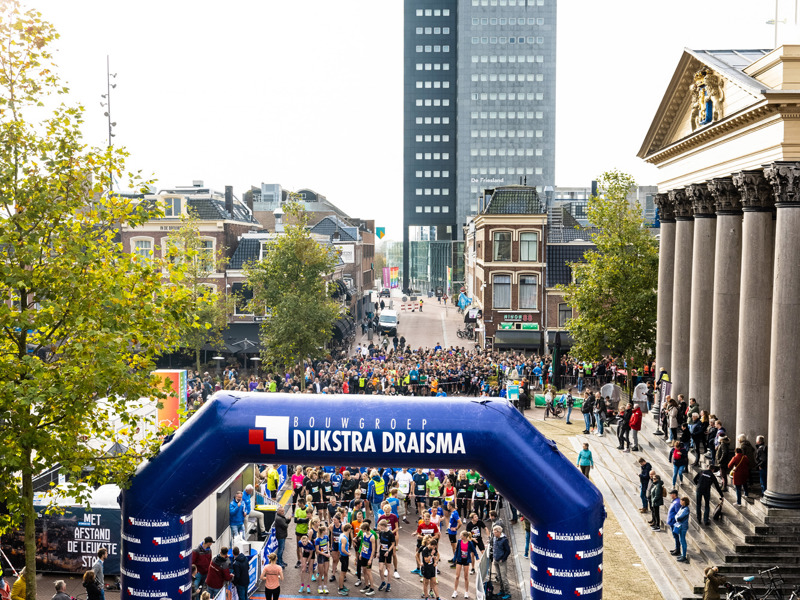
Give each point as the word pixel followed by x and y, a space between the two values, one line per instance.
pixel 202 558
pixel 742 473
pixel 218 573
pixel 636 419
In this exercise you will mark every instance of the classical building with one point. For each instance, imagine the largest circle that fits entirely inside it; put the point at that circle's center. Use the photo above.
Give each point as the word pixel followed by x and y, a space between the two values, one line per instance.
pixel 726 140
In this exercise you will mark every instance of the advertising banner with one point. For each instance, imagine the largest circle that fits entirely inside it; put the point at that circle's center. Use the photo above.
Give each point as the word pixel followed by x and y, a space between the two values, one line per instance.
pixel 174 381
pixel 69 543
pixel 254 572
pixel 394 277
pixel 386 277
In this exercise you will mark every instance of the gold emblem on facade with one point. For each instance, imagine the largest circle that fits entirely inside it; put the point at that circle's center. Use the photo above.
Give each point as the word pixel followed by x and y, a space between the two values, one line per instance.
pixel 707 97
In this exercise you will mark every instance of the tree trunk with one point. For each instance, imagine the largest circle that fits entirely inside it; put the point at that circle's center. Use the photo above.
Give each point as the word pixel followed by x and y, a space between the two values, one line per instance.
pixel 29 530
pixel 197 358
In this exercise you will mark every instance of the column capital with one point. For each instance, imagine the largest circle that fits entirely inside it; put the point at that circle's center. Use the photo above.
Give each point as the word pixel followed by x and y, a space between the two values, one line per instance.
pixel 756 192
pixel 785 180
pixel 702 201
pixel 727 199
pixel 666 209
pixel 682 203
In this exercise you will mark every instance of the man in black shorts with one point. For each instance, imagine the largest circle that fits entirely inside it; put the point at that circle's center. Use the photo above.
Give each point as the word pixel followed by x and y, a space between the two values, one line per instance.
pixel 386 546
pixel 477 527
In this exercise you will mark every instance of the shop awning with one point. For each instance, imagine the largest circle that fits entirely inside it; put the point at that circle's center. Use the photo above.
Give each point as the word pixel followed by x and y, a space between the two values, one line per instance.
pixel 566 339
pixel 518 339
pixel 343 326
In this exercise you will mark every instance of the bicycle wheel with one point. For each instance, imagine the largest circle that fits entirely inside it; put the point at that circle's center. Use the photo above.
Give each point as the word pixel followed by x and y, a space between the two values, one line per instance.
pixel 558 411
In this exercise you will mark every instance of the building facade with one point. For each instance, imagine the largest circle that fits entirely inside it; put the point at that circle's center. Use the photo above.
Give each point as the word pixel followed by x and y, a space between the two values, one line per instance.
pixel 726 140
pixel 479 106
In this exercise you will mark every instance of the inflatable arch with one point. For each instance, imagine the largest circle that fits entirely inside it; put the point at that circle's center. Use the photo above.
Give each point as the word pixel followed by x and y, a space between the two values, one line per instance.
pixel 490 435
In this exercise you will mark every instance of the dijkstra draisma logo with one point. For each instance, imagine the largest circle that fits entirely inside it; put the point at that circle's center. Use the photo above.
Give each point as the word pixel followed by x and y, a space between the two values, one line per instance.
pixel 271 434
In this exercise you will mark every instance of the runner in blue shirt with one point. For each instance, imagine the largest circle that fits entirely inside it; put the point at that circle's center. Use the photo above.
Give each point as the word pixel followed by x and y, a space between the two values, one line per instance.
pixel 453 526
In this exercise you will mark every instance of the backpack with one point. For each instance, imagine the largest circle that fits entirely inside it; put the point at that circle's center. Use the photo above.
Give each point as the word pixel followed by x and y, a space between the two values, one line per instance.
pixel 677 454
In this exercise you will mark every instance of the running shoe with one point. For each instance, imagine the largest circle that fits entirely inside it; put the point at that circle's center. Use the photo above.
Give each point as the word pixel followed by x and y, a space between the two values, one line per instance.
pixel 342 591
pixel 416 571
pixel 388 587
pixel 297 566
pixel 454 594
pixel 301 589
pixel 381 586
pixel 358 582
pixel 396 575
pixel 370 592
pixel 314 577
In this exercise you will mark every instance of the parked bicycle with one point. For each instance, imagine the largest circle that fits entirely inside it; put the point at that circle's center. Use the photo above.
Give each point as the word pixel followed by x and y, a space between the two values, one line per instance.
pixel 769 577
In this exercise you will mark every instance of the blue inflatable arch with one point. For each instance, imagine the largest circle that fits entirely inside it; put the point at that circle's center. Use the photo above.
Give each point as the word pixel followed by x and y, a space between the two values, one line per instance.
pixel 490 435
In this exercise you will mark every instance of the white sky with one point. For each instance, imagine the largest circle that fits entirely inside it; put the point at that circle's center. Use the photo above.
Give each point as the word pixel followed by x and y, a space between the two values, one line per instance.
pixel 309 93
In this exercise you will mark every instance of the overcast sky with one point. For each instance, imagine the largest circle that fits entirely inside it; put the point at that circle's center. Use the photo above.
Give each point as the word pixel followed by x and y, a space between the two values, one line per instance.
pixel 308 93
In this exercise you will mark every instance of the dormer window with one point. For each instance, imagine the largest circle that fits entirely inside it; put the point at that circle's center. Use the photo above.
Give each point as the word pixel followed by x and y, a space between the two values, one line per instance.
pixel 172 207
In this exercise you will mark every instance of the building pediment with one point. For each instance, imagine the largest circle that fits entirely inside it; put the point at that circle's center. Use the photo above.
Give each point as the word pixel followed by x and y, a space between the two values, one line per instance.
pixel 707 89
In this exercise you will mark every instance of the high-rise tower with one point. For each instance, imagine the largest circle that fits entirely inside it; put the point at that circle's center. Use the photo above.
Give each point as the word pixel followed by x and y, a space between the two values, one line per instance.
pixel 479 106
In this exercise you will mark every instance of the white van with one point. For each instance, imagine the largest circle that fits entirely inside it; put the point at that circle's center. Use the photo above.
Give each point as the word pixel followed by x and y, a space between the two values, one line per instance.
pixel 388 322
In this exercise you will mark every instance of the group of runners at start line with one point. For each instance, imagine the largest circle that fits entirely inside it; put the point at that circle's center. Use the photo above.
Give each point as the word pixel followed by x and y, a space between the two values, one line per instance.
pixel 330 534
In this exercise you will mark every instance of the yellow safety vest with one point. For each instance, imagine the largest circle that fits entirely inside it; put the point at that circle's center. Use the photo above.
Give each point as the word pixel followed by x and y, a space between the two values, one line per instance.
pixel 380 486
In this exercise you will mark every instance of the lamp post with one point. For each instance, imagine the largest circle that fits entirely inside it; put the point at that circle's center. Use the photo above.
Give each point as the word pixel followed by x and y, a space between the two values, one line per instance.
pixel 257 361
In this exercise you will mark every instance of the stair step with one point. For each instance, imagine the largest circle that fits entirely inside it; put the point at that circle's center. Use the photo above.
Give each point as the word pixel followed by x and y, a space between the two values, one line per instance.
pixel 782 519
pixel 772 539
pixel 769 549
pixel 778 530
pixel 775 559
pixel 744 570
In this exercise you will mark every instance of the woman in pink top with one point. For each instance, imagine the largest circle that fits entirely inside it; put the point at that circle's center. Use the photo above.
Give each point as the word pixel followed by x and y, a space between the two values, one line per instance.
pixel 272 575
pixel 297 484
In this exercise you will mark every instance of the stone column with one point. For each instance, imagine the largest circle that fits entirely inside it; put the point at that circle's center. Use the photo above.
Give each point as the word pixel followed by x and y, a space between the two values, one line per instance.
pixel 755 305
pixel 705 235
pixel 727 275
pixel 681 291
pixel 783 483
pixel 666 265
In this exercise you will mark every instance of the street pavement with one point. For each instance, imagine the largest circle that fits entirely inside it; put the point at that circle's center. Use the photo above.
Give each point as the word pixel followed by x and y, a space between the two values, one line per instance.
pixel 438 322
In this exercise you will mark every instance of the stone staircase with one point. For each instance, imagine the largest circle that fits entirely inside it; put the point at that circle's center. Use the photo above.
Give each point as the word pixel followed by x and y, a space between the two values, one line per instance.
pixel 749 537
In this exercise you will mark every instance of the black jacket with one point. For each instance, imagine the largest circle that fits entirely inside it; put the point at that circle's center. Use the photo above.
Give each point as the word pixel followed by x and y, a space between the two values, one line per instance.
pixel 761 456
pixel 644 474
pixel 704 480
pixel 281 526
pixel 241 570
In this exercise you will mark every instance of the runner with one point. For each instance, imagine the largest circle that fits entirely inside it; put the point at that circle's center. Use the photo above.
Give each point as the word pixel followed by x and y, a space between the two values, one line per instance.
pixel 424 529
pixel 465 557
pixel 344 557
pixel 386 541
pixel 306 548
pixel 454 524
pixel 420 483
pixel 404 481
pixel 430 560
pixel 322 550
pixel 367 554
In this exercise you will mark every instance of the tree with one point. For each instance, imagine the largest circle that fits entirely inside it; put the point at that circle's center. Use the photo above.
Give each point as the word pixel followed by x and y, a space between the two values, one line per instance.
pixel 210 309
pixel 613 294
pixel 82 321
pixel 289 282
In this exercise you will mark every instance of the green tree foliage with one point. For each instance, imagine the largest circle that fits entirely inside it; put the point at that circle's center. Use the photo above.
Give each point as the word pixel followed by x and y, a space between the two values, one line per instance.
pixel 210 309
pixel 80 320
pixel 289 282
pixel 613 294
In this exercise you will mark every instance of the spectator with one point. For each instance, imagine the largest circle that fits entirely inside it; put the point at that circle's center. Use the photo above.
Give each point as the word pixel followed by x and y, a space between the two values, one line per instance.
pixel 740 473
pixel 635 423
pixel 60 593
pixel 201 558
pixel 682 526
pixel 644 483
pixel 218 572
pixel 238 511
pixel 761 462
pixel 93 590
pixel 704 480
pixel 501 550
pixel 281 533
pixel 656 501
pixel 97 567
pixel 18 590
pixel 241 573
pixel 674 506
pixel 585 461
